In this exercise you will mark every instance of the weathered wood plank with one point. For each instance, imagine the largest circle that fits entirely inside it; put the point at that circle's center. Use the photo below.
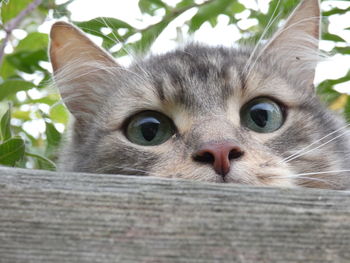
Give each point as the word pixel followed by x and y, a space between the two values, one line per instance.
pixel 69 217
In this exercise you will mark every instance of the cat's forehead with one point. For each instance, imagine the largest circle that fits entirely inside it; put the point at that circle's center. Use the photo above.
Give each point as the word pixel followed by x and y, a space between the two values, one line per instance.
pixel 195 76
pixel 205 79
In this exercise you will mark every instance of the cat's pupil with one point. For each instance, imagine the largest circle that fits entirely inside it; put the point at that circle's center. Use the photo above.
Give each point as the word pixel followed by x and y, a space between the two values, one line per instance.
pixel 149 128
pixel 259 116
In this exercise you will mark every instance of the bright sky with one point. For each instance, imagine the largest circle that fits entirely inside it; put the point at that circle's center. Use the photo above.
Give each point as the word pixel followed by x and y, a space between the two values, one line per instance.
pixel 223 33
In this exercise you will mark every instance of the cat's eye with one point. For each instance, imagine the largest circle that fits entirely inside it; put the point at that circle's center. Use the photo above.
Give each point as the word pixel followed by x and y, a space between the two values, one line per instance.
pixel 262 115
pixel 149 128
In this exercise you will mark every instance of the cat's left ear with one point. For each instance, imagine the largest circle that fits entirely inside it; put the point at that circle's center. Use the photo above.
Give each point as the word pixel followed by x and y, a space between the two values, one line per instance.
pixel 69 44
pixel 82 71
pixel 296 43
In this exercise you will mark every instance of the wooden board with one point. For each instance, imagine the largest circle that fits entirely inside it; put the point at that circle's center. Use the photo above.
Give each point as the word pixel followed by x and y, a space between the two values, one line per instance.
pixel 70 217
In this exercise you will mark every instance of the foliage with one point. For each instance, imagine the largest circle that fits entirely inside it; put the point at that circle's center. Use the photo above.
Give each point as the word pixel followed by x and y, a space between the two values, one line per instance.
pixel 25 77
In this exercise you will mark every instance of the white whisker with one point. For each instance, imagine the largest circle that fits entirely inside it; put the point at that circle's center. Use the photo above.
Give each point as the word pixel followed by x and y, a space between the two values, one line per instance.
pixel 323 172
pixel 126 51
pixel 268 26
pixel 310 145
pixel 323 144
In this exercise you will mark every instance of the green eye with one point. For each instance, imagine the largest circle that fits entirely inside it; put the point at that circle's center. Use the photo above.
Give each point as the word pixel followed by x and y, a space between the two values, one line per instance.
pixel 149 128
pixel 262 115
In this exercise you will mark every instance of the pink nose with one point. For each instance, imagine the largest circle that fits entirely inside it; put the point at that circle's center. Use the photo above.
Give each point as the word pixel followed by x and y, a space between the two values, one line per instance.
pixel 219 155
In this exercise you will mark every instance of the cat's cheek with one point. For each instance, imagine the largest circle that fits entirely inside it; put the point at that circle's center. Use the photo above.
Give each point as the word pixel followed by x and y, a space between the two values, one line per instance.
pixel 256 170
pixel 261 167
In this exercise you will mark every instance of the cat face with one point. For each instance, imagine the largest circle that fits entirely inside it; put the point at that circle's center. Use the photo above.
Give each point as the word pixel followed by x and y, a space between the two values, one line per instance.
pixel 203 113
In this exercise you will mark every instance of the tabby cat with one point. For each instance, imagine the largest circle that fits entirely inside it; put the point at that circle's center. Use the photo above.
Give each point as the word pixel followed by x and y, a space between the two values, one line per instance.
pixel 245 115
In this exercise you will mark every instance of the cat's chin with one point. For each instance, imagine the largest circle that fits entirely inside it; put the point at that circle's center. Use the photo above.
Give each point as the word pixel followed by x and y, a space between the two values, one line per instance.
pixel 228 179
pixel 223 180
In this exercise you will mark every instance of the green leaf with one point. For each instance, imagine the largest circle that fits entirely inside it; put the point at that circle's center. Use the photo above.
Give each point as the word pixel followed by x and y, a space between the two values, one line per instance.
pixel 335 11
pixel 150 6
pixel 53 139
pixel 53 136
pixel 11 151
pixel 34 143
pixel 185 3
pixel 208 11
pixel 111 39
pixel 325 89
pixel 327 93
pixel 50 165
pixel 236 8
pixel 61 10
pixel 5 125
pixel 28 61
pixel 59 113
pixel 33 42
pixel 332 37
pixel 12 9
pixel 12 86
pixel 49 99
pixel 341 50
pixel 213 21
pixel 95 25
pixel 6 69
pixel 150 35
pixel 22 115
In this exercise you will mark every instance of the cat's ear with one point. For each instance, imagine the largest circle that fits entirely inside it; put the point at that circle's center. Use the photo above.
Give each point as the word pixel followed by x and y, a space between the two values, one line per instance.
pixel 296 43
pixel 80 69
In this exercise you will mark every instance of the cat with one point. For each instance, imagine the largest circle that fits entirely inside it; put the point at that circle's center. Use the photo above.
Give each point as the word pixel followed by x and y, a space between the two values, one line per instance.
pixel 246 115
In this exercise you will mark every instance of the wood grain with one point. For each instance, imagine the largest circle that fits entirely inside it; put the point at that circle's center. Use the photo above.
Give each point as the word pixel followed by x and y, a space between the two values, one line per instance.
pixel 71 217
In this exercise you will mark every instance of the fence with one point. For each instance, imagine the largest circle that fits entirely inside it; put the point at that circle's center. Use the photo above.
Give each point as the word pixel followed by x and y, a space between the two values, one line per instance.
pixel 71 217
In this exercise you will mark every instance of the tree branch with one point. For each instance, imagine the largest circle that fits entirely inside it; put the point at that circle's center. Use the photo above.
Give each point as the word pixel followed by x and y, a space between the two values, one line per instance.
pixel 14 23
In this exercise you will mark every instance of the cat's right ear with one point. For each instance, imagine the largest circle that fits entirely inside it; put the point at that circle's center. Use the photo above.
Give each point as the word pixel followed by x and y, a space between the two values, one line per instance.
pixel 296 43
pixel 79 69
